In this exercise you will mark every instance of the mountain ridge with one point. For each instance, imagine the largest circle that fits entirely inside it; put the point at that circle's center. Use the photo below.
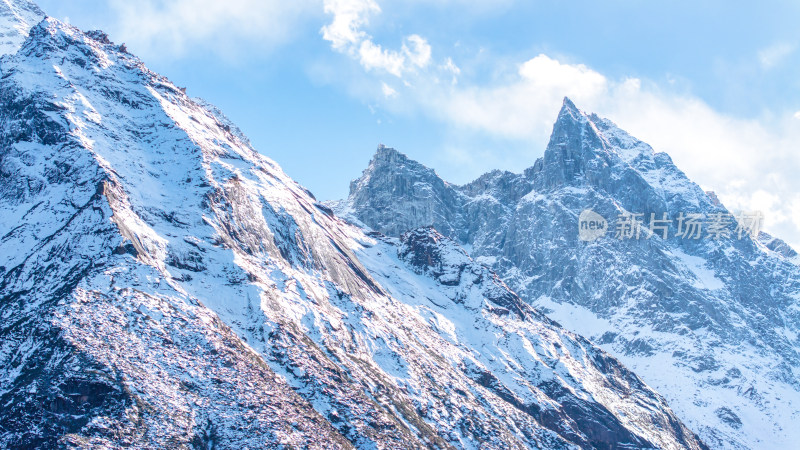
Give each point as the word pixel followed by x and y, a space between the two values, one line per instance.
pixel 674 310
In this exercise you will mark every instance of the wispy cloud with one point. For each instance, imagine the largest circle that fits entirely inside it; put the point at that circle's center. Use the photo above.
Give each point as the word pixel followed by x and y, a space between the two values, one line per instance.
pixel 388 91
pixel 775 54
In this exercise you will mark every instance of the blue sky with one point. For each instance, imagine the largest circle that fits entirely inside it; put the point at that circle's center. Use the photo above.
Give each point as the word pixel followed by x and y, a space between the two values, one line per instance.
pixel 470 86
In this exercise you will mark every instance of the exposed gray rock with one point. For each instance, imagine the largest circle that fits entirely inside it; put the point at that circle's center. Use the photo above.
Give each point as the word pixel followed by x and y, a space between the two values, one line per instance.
pixel 681 312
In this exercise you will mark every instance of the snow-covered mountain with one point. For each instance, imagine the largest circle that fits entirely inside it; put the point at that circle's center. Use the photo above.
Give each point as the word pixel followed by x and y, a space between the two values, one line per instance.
pixel 163 285
pixel 712 324
pixel 16 19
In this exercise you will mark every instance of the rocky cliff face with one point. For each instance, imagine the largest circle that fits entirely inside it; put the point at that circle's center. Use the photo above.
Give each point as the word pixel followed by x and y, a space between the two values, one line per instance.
pixel 710 323
pixel 426 198
pixel 163 285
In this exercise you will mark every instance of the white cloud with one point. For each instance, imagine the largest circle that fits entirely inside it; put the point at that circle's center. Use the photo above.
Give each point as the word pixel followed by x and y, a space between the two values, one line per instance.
pixel 173 27
pixel 419 52
pixel 450 67
pixel 795 211
pixel 521 108
pixel 775 54
pixel 345 33
pixel 373 56
pixel 545 73
pixel 797 115
pixel 348 18
pixel 388 91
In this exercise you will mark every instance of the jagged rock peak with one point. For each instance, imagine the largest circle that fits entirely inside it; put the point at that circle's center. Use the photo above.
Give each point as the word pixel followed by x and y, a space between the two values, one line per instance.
pixel 591 129
pixel 64 35
pixel 568 109
pixel 394 160
pixel 388 153
pixel 426 248
pixel 392 174
pixel 585 148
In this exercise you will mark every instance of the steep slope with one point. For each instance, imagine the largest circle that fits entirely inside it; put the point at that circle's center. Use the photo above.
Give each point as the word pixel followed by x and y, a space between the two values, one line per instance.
pixel 710 323
pixel 164 285
pixel 16 19
pixel 98 347
pixel 512 351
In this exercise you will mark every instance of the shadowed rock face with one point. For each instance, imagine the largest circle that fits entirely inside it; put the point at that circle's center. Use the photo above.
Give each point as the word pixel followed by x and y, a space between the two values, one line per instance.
pixel 681 312
pixel 163 285
pixel 429 200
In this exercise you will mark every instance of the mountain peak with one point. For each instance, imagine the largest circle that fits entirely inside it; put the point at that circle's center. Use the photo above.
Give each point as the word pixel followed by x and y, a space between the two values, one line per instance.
pixel 391 174
pixel 586 149
pixel 569 118
pixel 573 143
pixel 389 160
pixel 17 17
pixel 568 108
pixel 387 154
